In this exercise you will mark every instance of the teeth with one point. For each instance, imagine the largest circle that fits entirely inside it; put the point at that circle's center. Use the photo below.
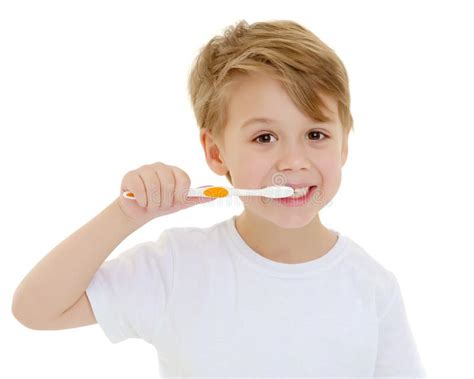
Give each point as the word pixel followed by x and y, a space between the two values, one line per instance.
pixel 299 192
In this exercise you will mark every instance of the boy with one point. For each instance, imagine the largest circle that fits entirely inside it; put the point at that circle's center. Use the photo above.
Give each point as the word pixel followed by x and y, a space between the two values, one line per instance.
pixel 270 292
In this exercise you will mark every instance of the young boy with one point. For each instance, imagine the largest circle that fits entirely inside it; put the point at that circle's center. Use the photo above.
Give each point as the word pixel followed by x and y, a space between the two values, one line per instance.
pixel 270 292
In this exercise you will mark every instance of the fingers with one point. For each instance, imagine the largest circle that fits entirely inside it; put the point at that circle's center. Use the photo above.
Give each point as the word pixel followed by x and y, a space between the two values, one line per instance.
pixel 158 187
pixel 159 183
pixel 183 182
pixel 133 183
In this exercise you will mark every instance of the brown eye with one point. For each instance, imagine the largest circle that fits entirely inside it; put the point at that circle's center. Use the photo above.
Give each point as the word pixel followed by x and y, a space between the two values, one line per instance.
pixel 262 135
pixel 318 133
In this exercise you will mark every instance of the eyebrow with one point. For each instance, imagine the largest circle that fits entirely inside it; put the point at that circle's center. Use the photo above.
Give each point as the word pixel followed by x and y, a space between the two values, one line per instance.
pixel 266 120
pixel 257 119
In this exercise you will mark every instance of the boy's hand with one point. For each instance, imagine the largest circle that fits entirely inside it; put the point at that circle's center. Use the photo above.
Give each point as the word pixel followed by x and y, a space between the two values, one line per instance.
pixel 159 190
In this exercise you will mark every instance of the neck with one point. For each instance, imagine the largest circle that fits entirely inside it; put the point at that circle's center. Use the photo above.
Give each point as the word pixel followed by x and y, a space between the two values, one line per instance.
pixel 285 245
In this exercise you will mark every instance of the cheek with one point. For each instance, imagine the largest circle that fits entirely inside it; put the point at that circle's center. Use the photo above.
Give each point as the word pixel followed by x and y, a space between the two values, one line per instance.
pixel 330 167
pixel 251 173
pixel 330 170
pixel 329 163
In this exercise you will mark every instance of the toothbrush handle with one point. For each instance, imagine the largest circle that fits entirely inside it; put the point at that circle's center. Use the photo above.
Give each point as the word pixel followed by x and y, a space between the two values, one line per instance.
pixel 192 192
pixel 196 192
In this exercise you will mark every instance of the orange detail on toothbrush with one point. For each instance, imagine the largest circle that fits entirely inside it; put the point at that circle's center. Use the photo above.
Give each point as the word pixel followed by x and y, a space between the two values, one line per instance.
pixel 216 192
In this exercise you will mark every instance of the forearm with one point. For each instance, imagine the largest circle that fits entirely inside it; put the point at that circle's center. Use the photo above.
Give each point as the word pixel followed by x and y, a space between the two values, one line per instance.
pixel 62 276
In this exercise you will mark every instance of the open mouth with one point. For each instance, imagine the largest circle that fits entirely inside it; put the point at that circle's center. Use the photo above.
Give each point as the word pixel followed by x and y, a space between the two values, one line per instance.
pixel 300 192
pixel 301 197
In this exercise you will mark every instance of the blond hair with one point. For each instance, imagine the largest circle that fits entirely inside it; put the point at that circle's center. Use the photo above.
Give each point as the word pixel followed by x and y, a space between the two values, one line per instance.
pixel 286 51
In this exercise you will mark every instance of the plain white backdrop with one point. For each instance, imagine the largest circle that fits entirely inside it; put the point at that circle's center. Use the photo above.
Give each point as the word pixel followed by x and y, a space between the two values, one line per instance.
pixel 90 90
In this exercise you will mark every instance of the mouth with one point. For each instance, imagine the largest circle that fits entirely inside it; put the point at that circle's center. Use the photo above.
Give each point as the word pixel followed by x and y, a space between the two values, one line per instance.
pixel 302 196
pixel 300 191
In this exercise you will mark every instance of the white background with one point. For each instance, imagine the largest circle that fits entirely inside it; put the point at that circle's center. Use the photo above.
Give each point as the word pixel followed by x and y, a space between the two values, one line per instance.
pixel 92 89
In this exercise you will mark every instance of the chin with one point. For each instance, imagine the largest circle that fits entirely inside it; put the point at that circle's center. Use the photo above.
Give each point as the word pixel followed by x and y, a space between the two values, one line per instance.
pixel 286 218
pixel 289 221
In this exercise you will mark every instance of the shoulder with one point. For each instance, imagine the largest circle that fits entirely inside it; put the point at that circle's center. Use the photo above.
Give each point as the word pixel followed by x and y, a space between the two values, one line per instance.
pixel 365 266
pixel 370 275
pixel 189 239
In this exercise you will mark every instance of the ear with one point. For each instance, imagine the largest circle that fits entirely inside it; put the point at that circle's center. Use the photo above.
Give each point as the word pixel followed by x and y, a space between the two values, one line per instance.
pixel 345 146
pixel 212 152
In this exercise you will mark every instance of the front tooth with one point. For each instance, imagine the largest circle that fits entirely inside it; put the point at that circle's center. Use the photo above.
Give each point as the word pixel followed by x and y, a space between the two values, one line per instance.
pixel 300 192
pixel 304 189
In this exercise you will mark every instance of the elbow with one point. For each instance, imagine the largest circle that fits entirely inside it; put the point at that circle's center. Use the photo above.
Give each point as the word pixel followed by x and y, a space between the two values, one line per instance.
pixel 14 309
pixel 26 325
pixel 23 321
pixel 19 314
pixel 16 313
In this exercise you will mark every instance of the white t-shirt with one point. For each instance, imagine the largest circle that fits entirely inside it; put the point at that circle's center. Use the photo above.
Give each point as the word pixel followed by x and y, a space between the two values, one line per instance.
pixel 213 307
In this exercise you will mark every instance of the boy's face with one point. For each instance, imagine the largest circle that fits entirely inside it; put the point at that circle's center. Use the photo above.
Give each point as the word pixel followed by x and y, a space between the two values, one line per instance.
pixel 291 152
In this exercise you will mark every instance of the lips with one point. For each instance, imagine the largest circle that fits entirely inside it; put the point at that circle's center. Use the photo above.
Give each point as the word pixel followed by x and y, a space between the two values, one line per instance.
pixel 299 185
pixel 301 191
pixel 298 201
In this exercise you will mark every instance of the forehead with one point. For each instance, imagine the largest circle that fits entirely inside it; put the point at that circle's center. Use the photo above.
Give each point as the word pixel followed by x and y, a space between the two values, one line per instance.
pixel 259 97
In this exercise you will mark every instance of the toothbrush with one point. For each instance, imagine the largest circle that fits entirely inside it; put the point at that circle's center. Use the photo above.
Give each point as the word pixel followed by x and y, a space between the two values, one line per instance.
pixel 274 192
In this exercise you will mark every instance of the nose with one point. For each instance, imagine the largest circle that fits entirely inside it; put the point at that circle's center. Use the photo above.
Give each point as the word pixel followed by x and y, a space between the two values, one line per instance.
pixel 293 158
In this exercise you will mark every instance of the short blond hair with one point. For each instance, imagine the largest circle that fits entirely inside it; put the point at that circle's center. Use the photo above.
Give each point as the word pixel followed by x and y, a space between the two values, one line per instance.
pixel 286 51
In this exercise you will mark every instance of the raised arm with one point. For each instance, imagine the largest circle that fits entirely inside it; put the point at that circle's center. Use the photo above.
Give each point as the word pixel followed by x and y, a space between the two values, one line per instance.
pixel 60 279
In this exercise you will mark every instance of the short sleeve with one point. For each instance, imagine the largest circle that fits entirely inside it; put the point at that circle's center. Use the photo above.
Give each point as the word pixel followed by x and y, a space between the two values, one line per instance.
pixel 129 294
pixel 397 354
